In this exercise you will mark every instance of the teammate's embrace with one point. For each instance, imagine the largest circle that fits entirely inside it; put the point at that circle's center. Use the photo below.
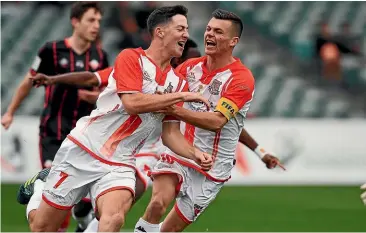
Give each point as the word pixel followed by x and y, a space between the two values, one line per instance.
pixel 98 155
pixel 229 87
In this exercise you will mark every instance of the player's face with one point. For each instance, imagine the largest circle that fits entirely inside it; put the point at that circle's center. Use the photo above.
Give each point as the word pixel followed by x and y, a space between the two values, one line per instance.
pixel 218 37
pixel 176 35
pixel 89 24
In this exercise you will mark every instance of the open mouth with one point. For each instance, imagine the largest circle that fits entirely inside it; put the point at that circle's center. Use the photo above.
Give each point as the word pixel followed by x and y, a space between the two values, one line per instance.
pixel 210 43
pixel 181 44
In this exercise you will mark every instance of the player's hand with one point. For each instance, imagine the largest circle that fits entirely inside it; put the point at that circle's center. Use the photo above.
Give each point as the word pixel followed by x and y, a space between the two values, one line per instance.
pixel 41 79
pixel 196 97
pixel 203 159
pixel 6 120
pixel 272 161
pixel 83 94
pixel 363 195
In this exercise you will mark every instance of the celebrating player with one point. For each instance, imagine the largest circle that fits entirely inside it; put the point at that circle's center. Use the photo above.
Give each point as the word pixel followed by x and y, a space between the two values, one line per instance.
pixel 229 87
pixel 97 156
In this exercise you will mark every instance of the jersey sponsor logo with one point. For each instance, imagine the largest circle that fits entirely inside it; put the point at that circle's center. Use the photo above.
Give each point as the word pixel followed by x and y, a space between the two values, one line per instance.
pixel 94 64
pixel 37 61
pixel 146 76
pixel 64 62
pixel 79 64
pixel 169 89
pixel 215 87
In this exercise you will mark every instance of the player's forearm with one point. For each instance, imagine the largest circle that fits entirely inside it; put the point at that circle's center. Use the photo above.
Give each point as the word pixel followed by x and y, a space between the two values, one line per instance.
pixel 142 103
pixel 175 141
pixel 76 78
pixel 91 96
pixel 206 120
pixel 20 94
pixel 247 140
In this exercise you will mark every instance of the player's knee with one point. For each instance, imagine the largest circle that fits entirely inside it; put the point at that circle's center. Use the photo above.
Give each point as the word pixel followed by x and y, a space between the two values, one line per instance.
pixel 157 206
pixel 38 226
pixel 112 220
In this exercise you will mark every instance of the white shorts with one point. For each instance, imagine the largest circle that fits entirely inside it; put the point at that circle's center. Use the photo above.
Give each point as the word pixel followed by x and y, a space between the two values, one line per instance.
pixel 75 173
pixel 194 192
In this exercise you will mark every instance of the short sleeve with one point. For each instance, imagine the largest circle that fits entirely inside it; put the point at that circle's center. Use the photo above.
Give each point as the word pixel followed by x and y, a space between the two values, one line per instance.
pixel 103 76
pixel 43 62
pixel 236 94
pixel 127 72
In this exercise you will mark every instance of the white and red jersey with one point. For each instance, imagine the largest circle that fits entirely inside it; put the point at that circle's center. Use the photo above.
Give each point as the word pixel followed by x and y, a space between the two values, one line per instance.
pixel 110 134
pixel 230 91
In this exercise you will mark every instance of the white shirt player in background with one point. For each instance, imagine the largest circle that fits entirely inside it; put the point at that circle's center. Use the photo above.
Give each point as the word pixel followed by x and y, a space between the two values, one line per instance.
pixel 229 87
pixel 98 155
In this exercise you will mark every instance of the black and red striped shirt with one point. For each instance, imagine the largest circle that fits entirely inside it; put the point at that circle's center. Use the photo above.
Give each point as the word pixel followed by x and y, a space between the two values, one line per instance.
pixel 62 106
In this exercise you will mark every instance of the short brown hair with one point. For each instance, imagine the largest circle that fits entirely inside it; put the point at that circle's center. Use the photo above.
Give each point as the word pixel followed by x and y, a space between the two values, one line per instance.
pixel 227 15
pixel 78 9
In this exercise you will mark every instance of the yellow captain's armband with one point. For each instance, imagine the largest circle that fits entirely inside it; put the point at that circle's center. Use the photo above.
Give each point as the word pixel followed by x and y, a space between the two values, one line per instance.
pixel 227 107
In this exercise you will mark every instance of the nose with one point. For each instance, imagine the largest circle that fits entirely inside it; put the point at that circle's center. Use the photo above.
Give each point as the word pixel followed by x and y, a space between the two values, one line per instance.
pixel 96 25
pixel 186 35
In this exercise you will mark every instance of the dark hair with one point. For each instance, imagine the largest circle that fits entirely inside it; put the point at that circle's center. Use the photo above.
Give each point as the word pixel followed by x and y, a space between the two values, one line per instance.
pixel 78 9
pixel 163 15
pixel 189 44
pixel 226 15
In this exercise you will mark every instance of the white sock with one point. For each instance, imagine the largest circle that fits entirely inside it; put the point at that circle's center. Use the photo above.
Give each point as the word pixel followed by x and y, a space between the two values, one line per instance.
pixel 160 224
pixel 143 226
pixel 93 226
pixel 36 198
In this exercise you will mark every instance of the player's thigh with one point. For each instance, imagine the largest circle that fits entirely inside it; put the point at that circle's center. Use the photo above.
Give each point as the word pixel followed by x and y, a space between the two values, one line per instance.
pixel 48 149
pixel 167 180
pixel 42 220
pixel 114 192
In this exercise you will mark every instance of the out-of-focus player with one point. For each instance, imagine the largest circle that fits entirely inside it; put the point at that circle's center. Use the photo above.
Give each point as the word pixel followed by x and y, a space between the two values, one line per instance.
pixel 64 104
pixel 98 155
pixel 229 87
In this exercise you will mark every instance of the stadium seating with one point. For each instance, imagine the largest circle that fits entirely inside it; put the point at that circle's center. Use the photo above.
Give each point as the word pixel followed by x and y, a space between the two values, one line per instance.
pixel 279 92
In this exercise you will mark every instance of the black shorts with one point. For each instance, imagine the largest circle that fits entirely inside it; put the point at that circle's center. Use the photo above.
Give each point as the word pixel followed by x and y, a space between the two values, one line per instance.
pixel 48 148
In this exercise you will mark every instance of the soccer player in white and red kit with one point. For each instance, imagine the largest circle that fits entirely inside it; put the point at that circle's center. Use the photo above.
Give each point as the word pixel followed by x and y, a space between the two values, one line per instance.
pixel 98 155
pixel 229 86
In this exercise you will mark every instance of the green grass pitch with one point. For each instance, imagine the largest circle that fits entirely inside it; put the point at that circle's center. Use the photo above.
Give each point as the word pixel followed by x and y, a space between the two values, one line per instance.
pixel 268 208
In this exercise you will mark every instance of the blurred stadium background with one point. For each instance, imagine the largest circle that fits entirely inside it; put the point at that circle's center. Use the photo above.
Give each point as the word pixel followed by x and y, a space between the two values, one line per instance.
pixel 308 59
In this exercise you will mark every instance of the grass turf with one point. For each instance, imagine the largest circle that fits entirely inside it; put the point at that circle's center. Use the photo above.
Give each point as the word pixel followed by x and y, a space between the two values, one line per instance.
pixel 285 209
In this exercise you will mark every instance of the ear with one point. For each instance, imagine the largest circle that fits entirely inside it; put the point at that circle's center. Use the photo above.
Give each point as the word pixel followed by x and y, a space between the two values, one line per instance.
pixel 234 41
pixel 159 31
pixel 74 22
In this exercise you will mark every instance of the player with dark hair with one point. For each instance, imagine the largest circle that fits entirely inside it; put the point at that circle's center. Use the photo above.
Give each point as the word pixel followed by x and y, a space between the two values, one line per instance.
pixel 229 86
pixel 97 157
pixel 64 104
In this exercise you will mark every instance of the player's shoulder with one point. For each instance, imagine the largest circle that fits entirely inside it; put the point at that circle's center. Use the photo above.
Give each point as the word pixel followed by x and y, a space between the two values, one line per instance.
pixel 129 53
pixel 194 61
pixel 241 72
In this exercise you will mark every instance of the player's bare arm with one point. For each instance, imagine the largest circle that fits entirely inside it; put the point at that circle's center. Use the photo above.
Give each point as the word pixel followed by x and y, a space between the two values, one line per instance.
pixel 173 138
pixel 89 96
pixel 268 158
pixel 212 121
pixel 84 78
pixel 137 103
pixel 20 93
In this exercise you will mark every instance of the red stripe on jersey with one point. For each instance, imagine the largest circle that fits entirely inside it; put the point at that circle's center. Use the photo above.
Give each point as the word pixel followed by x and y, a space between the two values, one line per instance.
pixel 101 57
pixel 59 116
pixel 125 130
pixel 179 84
pixel 54 55
pixel 215 149
pixel 189 133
